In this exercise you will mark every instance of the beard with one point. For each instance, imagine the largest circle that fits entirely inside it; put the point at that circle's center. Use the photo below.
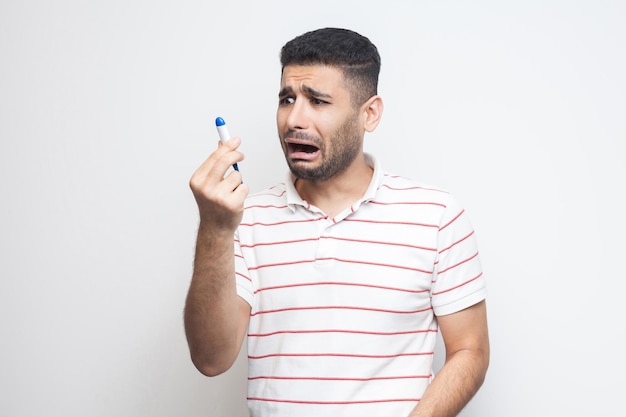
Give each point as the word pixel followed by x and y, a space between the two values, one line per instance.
pixel 343 148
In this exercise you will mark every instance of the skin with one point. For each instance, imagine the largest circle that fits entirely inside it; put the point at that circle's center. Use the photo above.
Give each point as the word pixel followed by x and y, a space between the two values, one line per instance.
pixel 321 133
pixel 315 107
pixel 466 340
pixel 215 318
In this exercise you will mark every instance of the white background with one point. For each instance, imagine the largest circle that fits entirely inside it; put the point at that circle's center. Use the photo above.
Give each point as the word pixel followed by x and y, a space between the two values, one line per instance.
pixel 107 108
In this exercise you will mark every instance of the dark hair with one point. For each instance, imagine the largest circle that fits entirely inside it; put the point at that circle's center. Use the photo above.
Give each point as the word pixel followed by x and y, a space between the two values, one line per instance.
pixel 344 49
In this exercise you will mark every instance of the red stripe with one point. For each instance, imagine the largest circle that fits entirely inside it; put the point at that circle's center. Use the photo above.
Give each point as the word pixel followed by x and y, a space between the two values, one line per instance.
pixel 254 268
pixel 281 223
pixel 339 260
pixel 243 276
pixel 457 242
pixel 341 331
pixel 451 221
pixel 458 286
pixel 412 203
pixel 377 242
pixel 375 264
pixel 333 402
pixel 339 355
pixel 313 378
pixel 348 284
pixel 396 223
pixel 281 310
pixel 283 242
pixel 287 242
pixel 457 264
pixel 345 220
pixel 267 206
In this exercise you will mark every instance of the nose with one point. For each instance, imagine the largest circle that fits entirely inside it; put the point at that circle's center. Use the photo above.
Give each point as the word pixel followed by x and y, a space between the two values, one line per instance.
pixel 297 116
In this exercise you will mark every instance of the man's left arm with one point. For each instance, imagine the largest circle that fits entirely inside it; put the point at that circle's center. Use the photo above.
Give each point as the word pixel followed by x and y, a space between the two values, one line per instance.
pixel 466 340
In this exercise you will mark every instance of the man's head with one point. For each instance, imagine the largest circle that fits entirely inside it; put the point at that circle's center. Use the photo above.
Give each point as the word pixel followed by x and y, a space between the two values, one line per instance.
pixel 327 101
pixel 353 54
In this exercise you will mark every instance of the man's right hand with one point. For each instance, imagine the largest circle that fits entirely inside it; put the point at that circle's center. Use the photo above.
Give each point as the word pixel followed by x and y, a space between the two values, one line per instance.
pixel 220 197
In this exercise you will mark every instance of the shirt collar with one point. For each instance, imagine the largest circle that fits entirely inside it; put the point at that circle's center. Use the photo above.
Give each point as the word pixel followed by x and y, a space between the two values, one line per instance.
pixel 294 199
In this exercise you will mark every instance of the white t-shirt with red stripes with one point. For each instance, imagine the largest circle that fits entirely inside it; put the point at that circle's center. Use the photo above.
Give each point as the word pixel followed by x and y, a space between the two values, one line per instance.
pixel 343 319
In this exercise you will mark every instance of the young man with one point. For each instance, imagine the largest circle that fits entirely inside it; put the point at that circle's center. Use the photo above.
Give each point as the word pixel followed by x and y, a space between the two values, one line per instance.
pixel 343 275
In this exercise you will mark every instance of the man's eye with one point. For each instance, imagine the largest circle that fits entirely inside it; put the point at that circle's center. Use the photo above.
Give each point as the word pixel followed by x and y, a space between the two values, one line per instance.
pixel 318 102
pixel 287 100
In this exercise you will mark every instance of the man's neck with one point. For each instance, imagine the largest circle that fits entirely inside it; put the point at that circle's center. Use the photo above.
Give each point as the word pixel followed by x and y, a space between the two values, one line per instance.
pixel 340 192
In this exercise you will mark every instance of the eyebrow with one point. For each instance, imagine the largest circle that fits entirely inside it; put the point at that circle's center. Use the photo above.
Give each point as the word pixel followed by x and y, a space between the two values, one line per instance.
pixel 307 90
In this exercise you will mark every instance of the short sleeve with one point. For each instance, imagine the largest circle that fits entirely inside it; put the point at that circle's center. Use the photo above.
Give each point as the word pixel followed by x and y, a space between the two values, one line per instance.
pixel 458 280
pixel 242 275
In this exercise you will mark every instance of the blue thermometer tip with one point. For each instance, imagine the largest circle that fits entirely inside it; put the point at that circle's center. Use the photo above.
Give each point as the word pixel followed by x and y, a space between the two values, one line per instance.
pixel 224 135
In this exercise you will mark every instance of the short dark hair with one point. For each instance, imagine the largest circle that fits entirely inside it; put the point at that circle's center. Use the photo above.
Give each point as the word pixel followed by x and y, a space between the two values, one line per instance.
pixel 343 49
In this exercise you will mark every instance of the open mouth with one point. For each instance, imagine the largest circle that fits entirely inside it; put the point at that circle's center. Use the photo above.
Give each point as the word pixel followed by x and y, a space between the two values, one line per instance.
pixel 301 147
pixel 302 150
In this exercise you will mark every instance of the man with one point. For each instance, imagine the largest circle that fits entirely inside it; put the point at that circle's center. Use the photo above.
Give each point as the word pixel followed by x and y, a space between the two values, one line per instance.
pixel 343 275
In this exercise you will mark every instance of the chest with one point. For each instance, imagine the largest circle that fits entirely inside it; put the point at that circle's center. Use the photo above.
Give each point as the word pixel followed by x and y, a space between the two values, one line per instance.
pixel 382 263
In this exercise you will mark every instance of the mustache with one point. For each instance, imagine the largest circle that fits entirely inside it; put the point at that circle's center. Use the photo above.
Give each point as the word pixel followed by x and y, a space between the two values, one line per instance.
pixel 297 134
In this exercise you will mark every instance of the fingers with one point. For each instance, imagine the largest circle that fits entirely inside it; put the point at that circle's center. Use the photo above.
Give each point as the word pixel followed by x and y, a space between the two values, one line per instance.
pixel 214 168
pixel 220 160
pixel 219 196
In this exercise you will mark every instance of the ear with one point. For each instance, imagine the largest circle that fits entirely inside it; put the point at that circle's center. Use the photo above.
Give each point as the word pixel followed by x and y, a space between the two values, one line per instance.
pixel 372 111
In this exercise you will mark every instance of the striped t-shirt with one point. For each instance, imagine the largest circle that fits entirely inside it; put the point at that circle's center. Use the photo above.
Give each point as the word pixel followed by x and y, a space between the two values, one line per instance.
pixel 343 309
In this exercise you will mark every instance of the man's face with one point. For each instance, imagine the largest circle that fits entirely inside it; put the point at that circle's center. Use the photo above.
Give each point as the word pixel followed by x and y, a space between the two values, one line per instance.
pixel 318 126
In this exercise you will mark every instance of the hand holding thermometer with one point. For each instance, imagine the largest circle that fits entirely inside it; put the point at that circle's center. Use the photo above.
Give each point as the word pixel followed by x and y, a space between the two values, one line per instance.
pixel 222 130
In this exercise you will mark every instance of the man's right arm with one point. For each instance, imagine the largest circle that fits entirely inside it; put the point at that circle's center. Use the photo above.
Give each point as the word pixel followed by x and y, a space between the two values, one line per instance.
pixel 216 319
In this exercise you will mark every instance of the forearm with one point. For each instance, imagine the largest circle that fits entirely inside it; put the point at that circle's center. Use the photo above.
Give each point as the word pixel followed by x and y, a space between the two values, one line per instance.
pixel 211 310
pixel 454 386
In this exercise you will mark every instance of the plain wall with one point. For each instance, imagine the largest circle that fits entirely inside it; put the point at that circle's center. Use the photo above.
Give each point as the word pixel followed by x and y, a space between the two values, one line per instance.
pixel 107 108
